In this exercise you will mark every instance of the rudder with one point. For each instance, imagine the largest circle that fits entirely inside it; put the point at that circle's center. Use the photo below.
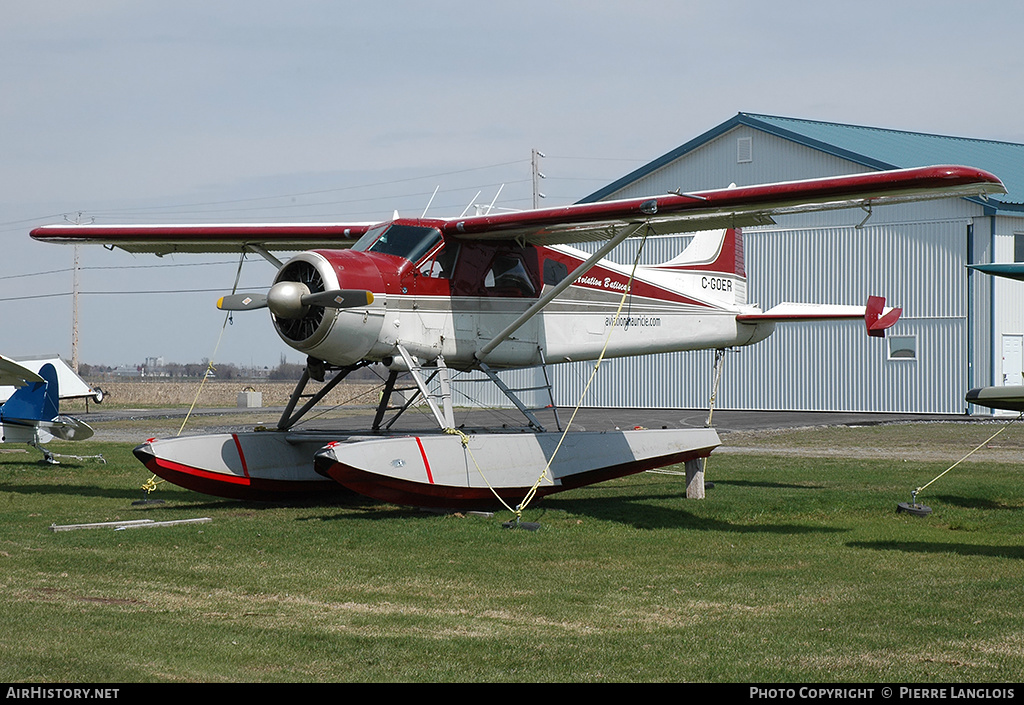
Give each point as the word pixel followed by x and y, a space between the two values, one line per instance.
pixel 35 401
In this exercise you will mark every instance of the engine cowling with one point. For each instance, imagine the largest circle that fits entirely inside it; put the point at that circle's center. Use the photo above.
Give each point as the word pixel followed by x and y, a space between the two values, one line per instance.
pixel 337 336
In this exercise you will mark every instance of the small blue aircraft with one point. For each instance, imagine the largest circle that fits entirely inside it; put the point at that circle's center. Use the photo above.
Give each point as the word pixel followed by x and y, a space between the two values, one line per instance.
pixel 32 414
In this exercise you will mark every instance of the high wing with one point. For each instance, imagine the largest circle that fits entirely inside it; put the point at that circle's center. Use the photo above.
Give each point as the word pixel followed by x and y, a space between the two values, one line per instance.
pixel 730 207
pixel 169 239
pixel 14 375
pixel 605 220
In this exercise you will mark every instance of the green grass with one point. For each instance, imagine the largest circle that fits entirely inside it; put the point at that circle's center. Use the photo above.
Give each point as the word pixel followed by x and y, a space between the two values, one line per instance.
pixel 793 569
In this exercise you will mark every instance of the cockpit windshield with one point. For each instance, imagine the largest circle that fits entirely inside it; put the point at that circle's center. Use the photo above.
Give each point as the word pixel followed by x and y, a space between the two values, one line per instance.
pixel 408 241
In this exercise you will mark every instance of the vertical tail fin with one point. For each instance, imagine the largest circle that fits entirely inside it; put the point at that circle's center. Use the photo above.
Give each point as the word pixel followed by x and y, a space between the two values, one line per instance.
pixel 36 401
pixel 878 318
pixel 712 251
pixel 716 257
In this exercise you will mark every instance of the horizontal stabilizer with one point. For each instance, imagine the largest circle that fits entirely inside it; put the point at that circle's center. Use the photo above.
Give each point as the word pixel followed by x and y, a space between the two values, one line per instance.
pixel 67 428
pixel 1010 397
pixel 876 316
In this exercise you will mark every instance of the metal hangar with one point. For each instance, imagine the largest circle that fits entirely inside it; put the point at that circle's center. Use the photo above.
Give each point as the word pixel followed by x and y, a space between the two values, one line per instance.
pixel 960 328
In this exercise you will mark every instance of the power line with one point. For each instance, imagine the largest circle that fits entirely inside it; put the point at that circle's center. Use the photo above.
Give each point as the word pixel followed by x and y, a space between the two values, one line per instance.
pixel 121 293
pixel 205 204
pixel 121 267
pixel 183 208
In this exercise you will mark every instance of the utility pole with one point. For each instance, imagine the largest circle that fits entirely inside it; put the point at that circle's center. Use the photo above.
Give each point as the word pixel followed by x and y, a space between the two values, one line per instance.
pixel 74 315
pixel 535 157
pixel 74 302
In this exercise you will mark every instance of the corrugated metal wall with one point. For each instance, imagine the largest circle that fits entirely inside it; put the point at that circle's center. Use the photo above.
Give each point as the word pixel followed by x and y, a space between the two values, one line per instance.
pixel 821 366
pixel 830 366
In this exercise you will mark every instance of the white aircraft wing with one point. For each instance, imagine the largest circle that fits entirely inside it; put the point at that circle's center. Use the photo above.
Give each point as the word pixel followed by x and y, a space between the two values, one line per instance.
pixel 13 374
pixel 71 386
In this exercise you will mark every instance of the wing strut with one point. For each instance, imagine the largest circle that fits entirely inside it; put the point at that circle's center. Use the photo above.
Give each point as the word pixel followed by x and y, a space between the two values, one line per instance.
pixel 314 369
pixel 265 254
pixel 440 403
pixel 549 295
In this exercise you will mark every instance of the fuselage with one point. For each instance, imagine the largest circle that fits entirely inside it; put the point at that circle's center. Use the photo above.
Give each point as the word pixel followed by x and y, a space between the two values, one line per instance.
pixel 447 297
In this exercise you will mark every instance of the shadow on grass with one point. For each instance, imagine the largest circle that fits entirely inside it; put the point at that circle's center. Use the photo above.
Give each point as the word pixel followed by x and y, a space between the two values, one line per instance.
pixel 937 547
pixel 975 503
pixel 769 485
pixel 73 490
pixel 335 500
pixel 641 514
pixel 636 506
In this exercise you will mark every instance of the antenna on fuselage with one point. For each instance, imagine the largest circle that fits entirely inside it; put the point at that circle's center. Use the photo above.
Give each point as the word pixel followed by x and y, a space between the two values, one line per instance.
pixel 481 210
pixel 471 203
pixel 430 201
pixel 494 200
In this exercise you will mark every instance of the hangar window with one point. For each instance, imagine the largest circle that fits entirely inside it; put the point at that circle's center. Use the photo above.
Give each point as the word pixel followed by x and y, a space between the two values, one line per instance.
pixel 1018 247
pixel 902 347
pixel 745 150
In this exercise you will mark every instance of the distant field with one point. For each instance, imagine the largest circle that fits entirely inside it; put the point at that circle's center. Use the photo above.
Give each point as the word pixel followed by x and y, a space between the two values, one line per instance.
pixel 212 393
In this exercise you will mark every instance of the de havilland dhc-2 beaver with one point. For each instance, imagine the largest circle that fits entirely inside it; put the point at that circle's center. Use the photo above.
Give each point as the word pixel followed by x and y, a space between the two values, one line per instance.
pixel 427 297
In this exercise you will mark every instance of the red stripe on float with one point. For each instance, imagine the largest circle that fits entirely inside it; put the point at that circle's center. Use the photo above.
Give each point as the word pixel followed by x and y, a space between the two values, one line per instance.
pixel 241 455
pixel 426 463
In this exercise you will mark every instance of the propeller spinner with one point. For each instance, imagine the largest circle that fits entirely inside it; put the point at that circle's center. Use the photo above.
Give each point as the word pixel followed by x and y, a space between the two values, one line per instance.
pixel 291 300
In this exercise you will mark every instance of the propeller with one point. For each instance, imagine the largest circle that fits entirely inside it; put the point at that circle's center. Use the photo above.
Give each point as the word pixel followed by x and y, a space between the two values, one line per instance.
pixel 291 300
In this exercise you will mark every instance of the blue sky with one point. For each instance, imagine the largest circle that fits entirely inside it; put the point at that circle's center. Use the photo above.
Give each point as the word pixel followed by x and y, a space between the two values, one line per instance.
pixel 312 110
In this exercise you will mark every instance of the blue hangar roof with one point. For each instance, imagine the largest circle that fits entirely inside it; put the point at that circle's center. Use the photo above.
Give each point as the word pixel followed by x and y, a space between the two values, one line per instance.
pixel 871 146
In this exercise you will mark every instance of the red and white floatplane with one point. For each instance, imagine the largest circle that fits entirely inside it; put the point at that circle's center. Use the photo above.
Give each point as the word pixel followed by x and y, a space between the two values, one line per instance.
pixel 430 297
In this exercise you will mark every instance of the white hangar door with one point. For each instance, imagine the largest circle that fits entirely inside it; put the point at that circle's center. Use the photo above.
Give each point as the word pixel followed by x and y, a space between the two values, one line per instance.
pixel 1013 359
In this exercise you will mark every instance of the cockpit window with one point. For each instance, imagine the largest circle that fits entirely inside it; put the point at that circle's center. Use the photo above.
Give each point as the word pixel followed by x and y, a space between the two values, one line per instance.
pixel 369 237
pixel 408 241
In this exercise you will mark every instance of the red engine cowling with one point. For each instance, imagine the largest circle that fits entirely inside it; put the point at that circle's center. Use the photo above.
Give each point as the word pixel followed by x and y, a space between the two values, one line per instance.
pixel 337 336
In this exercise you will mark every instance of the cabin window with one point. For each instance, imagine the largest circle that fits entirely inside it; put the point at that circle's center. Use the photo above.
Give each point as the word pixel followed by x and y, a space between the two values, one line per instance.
pixel 441 264
pixel 508 273
pixel 408 241
pixel 554 271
